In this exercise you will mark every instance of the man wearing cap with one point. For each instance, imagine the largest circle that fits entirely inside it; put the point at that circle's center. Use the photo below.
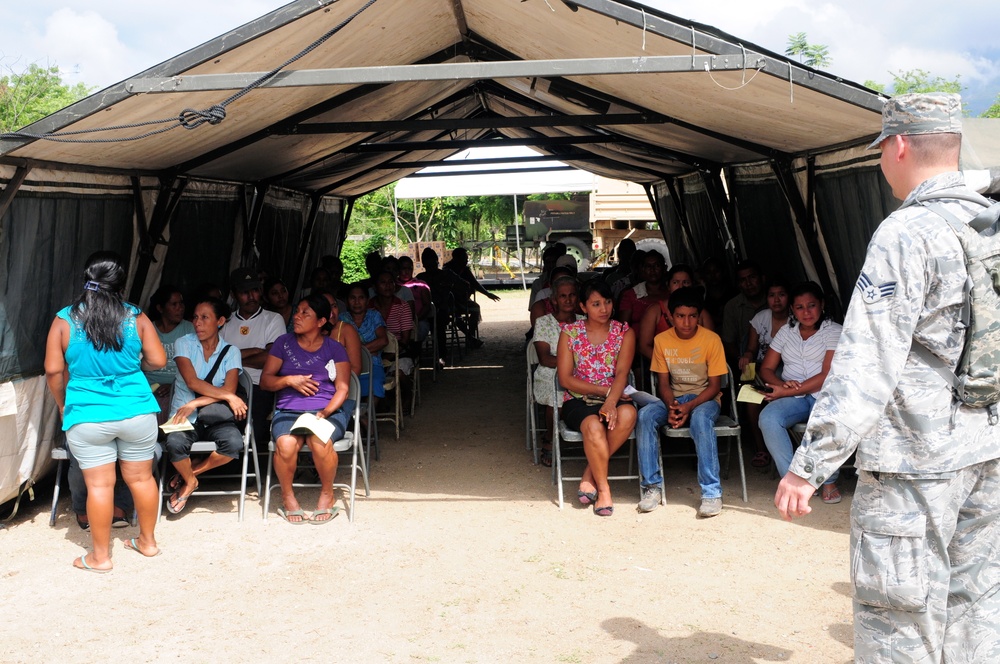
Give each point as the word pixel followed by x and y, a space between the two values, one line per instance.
pixel 925 532
pixel 253 329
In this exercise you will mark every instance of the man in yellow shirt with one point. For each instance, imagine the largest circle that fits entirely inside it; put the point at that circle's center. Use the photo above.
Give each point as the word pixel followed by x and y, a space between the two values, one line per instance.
pixel 689 362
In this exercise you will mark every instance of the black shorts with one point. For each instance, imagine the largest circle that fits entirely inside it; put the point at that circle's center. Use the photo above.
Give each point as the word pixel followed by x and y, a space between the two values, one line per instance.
pixel 575 411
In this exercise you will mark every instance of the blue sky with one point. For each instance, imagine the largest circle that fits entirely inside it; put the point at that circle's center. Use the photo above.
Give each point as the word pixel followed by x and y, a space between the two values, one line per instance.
pixel 100 42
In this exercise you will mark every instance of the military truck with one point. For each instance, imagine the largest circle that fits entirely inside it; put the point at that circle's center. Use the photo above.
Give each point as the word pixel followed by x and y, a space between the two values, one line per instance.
pixel 592 224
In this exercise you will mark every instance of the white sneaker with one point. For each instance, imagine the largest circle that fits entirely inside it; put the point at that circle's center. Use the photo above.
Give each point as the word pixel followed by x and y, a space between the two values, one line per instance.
pixel 710 507
pixel 650 499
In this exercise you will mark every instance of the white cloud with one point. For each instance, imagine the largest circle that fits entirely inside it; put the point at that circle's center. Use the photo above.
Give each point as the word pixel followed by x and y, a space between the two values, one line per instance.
pixel 86 47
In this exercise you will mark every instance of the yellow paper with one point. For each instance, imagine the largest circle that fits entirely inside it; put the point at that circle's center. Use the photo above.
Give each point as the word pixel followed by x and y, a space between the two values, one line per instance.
pixel 749 395
pixel 749 373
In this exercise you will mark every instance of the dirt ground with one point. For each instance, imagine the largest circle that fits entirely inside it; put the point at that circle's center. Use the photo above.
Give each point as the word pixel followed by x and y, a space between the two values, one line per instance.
pixel 460 554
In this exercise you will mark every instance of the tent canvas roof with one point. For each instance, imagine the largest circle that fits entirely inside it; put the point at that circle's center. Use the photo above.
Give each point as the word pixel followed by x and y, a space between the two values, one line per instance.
pixel 717 100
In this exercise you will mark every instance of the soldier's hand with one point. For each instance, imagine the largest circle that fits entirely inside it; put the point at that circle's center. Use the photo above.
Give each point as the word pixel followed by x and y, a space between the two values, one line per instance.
pixel 792 497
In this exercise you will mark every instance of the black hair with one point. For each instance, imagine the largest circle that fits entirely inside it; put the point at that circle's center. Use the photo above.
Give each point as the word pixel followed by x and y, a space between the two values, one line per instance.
pixel 360 285
pixel 806 288
pixel 99 309
pixel 680 267
pixel 596 285
pixel 221 309
pixel 428 256
pixel 748 264
pixel 319 304
pixel 406 258
pixel 778 280
pixel 689 296
pixel 159 299
pixel 269 284
pixel 657 256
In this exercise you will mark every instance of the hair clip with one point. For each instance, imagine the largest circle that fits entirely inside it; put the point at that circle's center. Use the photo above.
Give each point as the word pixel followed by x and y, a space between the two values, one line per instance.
pixel 92 285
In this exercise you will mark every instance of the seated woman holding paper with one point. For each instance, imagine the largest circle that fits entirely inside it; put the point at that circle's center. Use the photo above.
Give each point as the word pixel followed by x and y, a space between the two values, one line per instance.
pixel 806 347
pixel 205 405
pixel 592 362
pixel 311 374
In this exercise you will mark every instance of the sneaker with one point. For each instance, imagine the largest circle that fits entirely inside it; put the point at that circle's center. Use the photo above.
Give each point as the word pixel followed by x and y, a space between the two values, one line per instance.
pixel 710 507
pixel 650 499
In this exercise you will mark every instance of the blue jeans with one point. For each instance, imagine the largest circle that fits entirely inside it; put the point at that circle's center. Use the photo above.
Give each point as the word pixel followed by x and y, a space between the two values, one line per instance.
pixel 775 420
pixel 702 423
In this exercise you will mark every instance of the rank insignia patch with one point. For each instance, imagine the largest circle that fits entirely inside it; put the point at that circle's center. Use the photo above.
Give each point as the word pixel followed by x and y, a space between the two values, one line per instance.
pixel 872 293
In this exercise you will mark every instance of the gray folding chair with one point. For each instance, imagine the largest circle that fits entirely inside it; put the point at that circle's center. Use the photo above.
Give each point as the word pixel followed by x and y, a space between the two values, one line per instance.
pixel 349 443
pixel 392 384
pixel 368 406
pixel 532 407
pixel 562 433
pixel 727 426
pixel 209 446
pixel 60 455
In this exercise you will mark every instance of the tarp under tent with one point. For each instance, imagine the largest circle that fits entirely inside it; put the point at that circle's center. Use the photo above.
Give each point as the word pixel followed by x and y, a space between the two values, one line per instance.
pixel 251 148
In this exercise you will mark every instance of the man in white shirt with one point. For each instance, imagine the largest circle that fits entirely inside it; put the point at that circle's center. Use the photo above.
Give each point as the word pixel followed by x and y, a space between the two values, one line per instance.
pixel 253 329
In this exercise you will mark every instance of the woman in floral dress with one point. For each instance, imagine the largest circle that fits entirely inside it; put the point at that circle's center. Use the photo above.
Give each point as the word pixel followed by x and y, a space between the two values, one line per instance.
pixel 593 362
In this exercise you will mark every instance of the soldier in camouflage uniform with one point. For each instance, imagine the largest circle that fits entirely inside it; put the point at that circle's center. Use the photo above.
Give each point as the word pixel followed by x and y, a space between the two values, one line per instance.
pixel 925 532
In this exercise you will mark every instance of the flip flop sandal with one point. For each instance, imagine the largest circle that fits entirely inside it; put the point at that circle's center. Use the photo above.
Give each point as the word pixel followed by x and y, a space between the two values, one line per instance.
pixel 175 482
pixel 177 505
pixel 88 568
pixel 133 545
pixel 832 497
pixel 332 511
pixel 761 460
pixel 545 458
pixel 299 513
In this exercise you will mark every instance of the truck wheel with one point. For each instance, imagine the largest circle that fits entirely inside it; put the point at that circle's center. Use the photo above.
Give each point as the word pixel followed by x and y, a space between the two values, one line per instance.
pixel 653 244
pixel 579 250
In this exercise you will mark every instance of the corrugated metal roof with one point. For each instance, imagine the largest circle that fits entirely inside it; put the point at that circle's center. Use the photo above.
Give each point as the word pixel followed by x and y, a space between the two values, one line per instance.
pixel 692 118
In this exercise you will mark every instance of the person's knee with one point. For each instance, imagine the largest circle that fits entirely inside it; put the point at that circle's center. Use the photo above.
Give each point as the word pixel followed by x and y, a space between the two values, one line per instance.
pixel 626 416
pixel 592 428
pixel 178 447
pixel 287 447
pixel 229 442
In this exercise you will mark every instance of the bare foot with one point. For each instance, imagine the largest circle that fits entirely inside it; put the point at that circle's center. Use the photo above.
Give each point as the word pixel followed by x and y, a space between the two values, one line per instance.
pixel 135 544
pixel 84 564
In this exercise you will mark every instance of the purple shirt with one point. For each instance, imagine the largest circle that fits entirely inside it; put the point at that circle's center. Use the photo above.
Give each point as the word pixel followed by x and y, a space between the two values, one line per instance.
pixel 320 365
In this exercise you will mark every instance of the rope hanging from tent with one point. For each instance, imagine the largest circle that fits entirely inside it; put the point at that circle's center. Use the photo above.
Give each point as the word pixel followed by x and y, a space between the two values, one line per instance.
pixel 189 118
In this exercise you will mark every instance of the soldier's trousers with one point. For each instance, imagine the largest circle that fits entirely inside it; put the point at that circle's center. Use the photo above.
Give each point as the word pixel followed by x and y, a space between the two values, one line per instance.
pixel 925 566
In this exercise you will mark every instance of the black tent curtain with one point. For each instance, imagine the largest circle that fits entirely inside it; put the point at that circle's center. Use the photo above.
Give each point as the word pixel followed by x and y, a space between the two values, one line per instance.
pixel 44 241
pixel 850 205
pixel 767 227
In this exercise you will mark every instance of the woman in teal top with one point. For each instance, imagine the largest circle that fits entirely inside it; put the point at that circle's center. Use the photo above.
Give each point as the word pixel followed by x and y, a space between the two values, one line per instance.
pixel 103 345
pixel 166 310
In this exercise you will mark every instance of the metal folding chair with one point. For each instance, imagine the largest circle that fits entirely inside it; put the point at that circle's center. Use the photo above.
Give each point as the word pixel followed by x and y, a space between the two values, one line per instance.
pixel 562 433
pixel 349 443
pixel 531 406
pixel 371 434
pixel 727 426
pixel 209 446
pixel 392 384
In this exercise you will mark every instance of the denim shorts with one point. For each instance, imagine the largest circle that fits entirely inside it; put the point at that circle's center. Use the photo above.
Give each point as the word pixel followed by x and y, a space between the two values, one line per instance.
pixel 281 423
pixel 100 443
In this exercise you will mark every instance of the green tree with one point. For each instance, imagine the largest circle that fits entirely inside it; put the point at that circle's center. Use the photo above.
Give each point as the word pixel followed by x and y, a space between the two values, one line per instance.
pixel 994 110
pixel 918 80
pixel 34 93
pixel 813 55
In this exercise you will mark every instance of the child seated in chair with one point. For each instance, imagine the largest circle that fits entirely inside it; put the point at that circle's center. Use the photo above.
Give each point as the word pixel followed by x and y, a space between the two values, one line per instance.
pixel 689 362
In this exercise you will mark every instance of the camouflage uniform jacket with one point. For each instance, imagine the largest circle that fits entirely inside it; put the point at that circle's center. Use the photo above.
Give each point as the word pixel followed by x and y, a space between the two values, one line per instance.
pixel 879 397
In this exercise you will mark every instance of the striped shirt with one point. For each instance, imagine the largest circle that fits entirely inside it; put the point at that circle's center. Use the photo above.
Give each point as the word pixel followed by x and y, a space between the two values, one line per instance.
pixel 400 317
pixel 804 358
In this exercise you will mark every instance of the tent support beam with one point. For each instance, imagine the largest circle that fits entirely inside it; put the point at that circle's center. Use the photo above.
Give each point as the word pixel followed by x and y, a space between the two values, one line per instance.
pixel 253 220
pixel 676 195
pixel 488 122
pixel 307 234
pixel 719 202
pixel 800 213
pixel 451 71
pixel 8 193
pixel 171 190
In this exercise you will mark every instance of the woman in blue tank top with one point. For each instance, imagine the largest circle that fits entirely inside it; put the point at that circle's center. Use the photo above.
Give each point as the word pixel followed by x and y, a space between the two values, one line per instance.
pixel 103 344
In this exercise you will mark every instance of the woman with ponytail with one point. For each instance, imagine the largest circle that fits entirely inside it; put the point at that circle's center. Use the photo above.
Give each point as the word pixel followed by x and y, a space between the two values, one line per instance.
pixel 96 352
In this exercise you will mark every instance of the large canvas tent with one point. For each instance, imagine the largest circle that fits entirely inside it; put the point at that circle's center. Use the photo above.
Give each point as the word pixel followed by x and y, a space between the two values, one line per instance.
pixel 251 148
